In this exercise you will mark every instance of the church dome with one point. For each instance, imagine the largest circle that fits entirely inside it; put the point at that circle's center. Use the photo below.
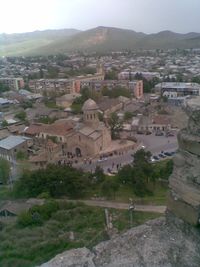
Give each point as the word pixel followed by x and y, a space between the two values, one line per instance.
pixel 90 105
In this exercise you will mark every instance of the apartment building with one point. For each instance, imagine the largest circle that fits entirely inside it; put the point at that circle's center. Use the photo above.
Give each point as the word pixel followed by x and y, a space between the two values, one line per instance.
pixel 13 83
pixel 135 87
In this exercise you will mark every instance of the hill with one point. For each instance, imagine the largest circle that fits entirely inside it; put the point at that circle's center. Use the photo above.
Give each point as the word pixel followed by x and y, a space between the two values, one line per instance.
pixel 100 39
pixel 25 43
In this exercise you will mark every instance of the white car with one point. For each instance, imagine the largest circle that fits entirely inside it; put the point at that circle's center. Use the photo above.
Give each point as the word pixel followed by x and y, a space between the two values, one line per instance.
pixel 103 159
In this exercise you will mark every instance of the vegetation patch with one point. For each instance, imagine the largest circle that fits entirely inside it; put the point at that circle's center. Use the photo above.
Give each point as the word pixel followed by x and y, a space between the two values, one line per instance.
pixel 65 225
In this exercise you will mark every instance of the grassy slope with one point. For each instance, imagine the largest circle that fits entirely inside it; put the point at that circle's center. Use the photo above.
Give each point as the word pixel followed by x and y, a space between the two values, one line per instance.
pixel 30 246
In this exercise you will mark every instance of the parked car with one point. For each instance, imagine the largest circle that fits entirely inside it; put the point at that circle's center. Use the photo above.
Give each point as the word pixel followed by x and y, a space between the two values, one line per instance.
pixel 159 133
pixel 148 133
pixel 156 157
pixel 168 154
pixel 169 134
pixel 102 159
pixel 162 155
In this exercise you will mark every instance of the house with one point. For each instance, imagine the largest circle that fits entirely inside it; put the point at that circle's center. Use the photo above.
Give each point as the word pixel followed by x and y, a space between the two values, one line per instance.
pixel 50 154
pixel 11 209
pixel 108 106
pixel 66 101
pixel 5 103
pixel 157 123
pixel 13 144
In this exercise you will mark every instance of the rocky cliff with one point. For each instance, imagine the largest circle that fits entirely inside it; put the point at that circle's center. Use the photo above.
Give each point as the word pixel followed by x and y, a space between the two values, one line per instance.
pixel 184 199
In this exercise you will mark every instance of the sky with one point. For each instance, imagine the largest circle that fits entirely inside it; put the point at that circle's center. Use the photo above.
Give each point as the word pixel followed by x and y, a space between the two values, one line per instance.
pixel 148 16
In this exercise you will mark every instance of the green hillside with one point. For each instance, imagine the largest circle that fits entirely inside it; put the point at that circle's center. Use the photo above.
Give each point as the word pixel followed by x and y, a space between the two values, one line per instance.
pixel 100 39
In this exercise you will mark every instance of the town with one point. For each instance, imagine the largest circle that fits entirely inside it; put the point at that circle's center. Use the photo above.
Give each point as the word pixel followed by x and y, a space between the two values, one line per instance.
pixel 89 110
pixel 102 128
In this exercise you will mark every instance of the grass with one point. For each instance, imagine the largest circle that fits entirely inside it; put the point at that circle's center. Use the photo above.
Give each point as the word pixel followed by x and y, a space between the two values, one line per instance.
pixel 31 246
pixel 5 193
pixel 51 104
pixel 158 198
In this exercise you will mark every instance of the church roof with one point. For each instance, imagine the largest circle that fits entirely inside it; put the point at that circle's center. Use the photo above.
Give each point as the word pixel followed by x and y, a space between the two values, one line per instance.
pixel 89 105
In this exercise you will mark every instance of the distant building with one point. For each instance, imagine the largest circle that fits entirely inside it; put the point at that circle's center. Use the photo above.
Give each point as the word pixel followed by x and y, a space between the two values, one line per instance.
pixel 130 75
pixel 13 83
pixel 65 101
pixel 157 123
pixel 13 144
pixel 135 87
pixel 66 86
pixel 5 103
pixel 178 89
pixel 46 86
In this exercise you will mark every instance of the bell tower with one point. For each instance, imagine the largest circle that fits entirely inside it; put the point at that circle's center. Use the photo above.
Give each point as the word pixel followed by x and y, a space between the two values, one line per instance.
pixel 90 113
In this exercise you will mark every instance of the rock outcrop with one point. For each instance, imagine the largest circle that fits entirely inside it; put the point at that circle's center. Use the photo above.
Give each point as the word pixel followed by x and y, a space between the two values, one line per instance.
pixel 184 198
pixel 172 241
pixel 164 242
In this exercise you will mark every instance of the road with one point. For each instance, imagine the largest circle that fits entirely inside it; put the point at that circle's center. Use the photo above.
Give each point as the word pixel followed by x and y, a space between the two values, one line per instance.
pixel 152 143
pixel 124 206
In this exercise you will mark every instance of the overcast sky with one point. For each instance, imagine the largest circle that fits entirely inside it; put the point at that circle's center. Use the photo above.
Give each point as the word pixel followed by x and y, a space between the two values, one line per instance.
pixel 140 15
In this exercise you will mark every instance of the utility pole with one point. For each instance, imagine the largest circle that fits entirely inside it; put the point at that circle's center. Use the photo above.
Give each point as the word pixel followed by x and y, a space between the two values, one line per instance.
pixel 131 209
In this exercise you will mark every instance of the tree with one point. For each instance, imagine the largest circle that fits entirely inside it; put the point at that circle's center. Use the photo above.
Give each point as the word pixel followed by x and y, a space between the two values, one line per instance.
pixel 109 188
pixel 4 123
pixel 55 180
pixel 4 170
pixel 139 174
pixel 116 92
pixel 115 125
pixel 99 175
pixel 3 88
pixel 128 115
pixel 21 155
pixel 21 115
pixel 111 75
pixel 141 156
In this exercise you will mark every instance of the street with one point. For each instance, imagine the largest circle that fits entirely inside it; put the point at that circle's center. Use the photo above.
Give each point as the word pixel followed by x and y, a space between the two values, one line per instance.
pixel 124 206
pixel 152 143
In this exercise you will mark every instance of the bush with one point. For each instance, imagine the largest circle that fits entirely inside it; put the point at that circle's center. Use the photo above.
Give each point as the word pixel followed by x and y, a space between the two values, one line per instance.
pixel 45 211
pixel 37 214
pixel 25 219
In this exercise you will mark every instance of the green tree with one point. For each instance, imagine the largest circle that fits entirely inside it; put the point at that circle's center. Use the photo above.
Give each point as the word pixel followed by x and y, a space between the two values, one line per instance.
pixel 21 155
pixel 111 75
pixel 99 174
pixel 128 115
pixel 115 125
pixel 3 88
pixel 4 123
pixel 109 187
pixel 55 180
pixel 116 92
pixel 4 170
pixel 21 115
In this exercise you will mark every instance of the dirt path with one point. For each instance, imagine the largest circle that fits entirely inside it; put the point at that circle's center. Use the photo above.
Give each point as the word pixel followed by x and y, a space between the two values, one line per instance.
pixel 124 206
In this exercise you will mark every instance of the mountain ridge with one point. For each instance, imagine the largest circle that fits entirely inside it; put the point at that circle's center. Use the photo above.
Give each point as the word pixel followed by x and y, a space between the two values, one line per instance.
pixel 99 39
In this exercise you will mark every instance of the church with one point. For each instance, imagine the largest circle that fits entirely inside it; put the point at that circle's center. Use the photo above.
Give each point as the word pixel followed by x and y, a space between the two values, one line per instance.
pixel 90 136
